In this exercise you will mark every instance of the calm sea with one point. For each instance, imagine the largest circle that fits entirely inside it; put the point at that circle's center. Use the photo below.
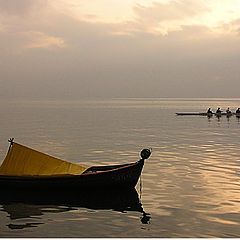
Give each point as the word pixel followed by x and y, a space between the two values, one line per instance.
pixel 190 187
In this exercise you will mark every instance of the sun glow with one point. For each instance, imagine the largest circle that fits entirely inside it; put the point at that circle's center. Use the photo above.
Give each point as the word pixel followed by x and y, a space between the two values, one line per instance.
pixel 211 14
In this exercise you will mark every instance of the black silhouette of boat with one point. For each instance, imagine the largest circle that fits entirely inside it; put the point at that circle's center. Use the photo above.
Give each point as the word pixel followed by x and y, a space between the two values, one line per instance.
pixel 25 168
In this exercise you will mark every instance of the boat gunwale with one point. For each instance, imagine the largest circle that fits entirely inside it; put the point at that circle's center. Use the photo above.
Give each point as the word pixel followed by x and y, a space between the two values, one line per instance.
pixel 71 176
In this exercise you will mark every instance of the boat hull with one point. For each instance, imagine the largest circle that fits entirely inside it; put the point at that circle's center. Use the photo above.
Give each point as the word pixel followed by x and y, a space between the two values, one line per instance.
pixel 118 176
pixel 206 114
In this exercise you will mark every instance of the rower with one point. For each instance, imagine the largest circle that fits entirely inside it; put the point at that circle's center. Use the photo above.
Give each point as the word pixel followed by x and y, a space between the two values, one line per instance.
pixel 209 111
pixel 228 111
pixel 218 110
pixel 238 110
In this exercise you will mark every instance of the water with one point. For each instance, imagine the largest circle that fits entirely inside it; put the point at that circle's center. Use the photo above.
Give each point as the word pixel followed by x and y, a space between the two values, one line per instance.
pixel 190 185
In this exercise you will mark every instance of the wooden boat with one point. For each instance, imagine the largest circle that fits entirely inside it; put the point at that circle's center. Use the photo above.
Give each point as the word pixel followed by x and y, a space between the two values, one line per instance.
pixel 25 168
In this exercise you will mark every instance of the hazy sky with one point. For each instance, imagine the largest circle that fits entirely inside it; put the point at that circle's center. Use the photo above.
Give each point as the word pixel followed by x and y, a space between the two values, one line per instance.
pixel 70 49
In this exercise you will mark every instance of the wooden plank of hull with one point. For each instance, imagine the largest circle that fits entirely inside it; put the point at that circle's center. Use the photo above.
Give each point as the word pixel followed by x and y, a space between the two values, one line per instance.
pixel 119 176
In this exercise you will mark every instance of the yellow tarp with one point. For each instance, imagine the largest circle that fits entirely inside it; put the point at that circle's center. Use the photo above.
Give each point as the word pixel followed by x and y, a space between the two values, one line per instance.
pixel 24 161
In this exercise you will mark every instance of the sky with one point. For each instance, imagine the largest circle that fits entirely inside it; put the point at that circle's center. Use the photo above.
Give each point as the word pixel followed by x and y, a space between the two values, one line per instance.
pixel 74 49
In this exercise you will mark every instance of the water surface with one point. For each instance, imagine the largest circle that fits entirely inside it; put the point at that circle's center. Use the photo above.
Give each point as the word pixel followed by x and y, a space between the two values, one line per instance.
pixel 190 185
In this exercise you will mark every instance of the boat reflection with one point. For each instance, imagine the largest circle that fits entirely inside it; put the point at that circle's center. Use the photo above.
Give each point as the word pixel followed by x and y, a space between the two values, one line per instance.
pixel 33 205
pixel 238 118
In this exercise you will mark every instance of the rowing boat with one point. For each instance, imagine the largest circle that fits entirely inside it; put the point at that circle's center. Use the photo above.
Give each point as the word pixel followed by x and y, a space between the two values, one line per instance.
pixel 206 114
pixel 25 168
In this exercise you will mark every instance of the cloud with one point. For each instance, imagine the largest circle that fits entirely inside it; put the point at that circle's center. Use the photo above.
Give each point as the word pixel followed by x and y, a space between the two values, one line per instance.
pixel 97 59
pixel 172 10
pixel 22 26
pixel 232 27
pixel 20 7
pixel 160 17
pixel 42 40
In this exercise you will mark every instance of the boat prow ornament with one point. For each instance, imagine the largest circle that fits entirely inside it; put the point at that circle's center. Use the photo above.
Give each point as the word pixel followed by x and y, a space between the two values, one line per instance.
pixel 145 153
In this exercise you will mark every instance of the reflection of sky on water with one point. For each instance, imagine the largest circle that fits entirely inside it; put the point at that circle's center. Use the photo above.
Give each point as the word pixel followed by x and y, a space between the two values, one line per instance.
pixel 190 184
pixel 60 221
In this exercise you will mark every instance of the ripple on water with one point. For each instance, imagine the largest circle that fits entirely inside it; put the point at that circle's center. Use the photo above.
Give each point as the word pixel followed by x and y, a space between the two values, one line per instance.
pixel 190 185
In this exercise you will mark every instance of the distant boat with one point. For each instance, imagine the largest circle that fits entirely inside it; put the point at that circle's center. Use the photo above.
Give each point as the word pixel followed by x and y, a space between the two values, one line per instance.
pixel 25 168
pixel 204 114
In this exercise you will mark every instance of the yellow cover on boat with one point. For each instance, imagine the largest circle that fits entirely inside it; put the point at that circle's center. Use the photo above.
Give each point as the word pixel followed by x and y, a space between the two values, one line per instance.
pixel 24 161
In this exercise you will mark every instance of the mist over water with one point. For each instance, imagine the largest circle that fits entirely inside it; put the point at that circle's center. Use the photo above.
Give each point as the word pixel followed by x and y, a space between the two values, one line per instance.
pixel 190 185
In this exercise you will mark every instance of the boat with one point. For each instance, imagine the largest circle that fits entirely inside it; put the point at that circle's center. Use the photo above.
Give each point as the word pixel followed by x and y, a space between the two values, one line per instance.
pixel 191 114
pixel 25 169
pixel 205 114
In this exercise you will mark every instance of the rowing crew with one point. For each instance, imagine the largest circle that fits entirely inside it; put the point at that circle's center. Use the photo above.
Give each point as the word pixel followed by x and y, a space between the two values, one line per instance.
pixel 219 111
